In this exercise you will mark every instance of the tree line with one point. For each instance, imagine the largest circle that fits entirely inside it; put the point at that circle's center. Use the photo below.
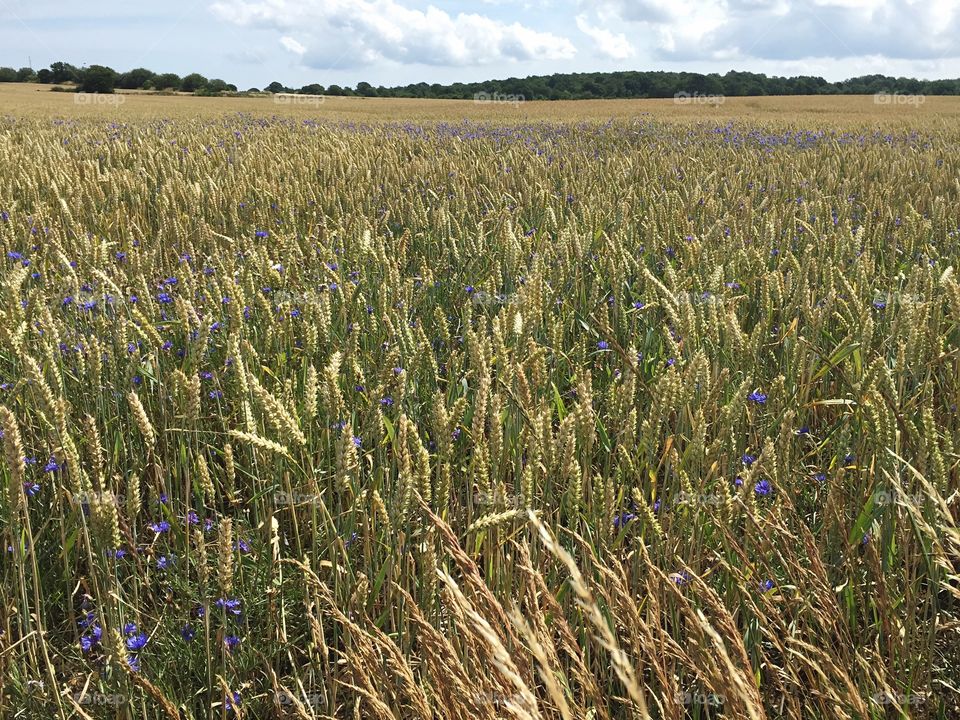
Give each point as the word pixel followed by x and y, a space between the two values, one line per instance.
pixel 560 86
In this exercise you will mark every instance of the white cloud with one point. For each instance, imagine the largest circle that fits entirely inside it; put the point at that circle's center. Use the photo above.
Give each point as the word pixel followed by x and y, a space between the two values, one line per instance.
pixel 615 46
pixel 789 29
pixel 292 45
pixel 359 32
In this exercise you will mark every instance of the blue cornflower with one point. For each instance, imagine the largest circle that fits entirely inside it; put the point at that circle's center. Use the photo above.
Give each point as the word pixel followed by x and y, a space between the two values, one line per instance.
pixel 164 561
pixel 757 397
pixel 216 394
pixel 88 642
pixel 386 401
pixel 129 629
pixel 52 465
pixel 820 477
pixel 167 344
pixel 749 460
pixel 762 487
pixel 170 281
pixel 469 289
pixel 231 605
pixel 622 519
pixel 767 585
pixel 261 234
pixel 159 527
pixel 164 298
pixel 231 641
pixel 68 300
pixel 120 256
pixel 137 642
pixel 357 442
pixel 849 459
pixel 31 488
pixel 187 633
pixel 603 345
pixel 638 305
pixel 133 662
pixel 232 701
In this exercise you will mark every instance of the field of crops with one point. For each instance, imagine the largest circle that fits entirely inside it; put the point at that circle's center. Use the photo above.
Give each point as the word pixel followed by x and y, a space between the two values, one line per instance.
pixel 307 416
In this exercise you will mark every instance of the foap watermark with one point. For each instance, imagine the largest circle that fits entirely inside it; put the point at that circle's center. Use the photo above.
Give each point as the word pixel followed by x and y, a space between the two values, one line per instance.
pixel 694 500
pixel 891 699
pixel 312 700
pixel 698 698
pixel 295 498
pixel 893 497
pixel 897 98
pixel 481 297
pixel 499 499
pixel 102 497
pixel 295 99
pixel 496 98
pixel 107 99
pixel 698 98
pixel 499 699
pixel 695 298
pixel 99 699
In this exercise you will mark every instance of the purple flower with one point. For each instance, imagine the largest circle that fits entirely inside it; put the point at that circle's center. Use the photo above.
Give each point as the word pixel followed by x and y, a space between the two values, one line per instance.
pixel 137 642
pixel 261 234
pixel 187 633
pixel 357 442
pixel 749 460
pixel 159 527
pixel 231 605
pixel 622 519
pixel 386 401
pixel 231 641
pixel 762 488
pixel 52 465
pixel 603 345
pixel 757 397
pixel 164 298
pixel 129 629
pixel 31 488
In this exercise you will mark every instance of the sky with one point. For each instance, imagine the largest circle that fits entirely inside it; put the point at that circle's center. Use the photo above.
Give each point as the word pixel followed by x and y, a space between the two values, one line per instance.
pixel 251 43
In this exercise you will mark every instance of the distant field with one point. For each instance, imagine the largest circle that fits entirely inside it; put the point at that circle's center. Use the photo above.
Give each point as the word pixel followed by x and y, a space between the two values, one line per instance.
pixel 428 410
pixel 29 99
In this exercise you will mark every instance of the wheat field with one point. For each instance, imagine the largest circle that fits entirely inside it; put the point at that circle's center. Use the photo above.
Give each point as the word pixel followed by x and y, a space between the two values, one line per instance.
pixel 407 410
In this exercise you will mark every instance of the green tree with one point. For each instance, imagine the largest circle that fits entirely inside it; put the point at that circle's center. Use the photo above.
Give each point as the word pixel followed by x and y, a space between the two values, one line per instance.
pixel 193 82
pixel 167 81
pixel 26 74
pixel 98 79
pixel 135 79
pixel 63 72
pixel 8 74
